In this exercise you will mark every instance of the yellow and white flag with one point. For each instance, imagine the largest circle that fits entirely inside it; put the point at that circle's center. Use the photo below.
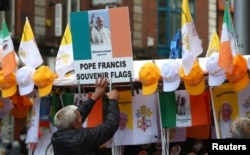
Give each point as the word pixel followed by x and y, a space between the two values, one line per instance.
pixel 191 44
pixel 9 62
pixel 64 58
pixel 28 50
pixel 1 49
pixel 214 44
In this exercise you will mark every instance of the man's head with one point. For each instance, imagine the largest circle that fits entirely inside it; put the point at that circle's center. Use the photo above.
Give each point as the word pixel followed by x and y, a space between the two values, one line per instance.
pixel 183 101
pixel 123 120
pixel 100 22
pixel 68 118
pixel 226 111
pixel 240 128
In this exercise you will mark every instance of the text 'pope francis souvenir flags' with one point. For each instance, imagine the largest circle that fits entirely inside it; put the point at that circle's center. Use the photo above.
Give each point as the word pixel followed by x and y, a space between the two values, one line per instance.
pixel 102 45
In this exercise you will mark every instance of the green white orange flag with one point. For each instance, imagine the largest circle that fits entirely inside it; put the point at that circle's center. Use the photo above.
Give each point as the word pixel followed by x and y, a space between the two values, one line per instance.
pixel 28 50
pixel 1 49
pixel 191 44
pixel 64 58
pixel 227 42
pixel 179 109
pixel 214 44
pixel 9 62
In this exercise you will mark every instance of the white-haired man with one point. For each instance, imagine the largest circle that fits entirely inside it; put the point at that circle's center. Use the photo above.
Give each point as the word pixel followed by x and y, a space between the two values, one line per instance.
pixel 71 138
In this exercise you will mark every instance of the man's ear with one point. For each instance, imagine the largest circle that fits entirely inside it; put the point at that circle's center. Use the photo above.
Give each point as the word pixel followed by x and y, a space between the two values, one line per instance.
pixel 74 125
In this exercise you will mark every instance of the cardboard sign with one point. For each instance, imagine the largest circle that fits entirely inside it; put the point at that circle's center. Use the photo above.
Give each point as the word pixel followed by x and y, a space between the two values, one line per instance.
pixel 102 45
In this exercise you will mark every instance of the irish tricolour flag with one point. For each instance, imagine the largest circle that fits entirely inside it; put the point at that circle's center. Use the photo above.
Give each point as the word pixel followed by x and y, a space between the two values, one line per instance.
pixel 228 43
pixel 8 54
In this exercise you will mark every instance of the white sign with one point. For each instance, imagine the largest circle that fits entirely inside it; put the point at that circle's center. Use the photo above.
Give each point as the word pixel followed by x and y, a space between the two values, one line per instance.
pixel 58 19
pixel 104 2
pixel 102 49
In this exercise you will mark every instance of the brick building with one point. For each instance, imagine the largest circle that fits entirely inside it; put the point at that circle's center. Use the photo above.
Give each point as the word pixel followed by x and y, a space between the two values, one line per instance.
pixel 145 21
pixel 149 20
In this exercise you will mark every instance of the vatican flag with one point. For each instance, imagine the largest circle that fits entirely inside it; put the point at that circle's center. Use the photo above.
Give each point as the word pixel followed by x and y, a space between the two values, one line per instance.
pixel 191 44
pixel 64 58
pixel 28 50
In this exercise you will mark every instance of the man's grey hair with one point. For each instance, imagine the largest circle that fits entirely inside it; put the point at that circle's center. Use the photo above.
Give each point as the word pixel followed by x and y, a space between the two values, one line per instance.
pixel 65 117
pixel 240 128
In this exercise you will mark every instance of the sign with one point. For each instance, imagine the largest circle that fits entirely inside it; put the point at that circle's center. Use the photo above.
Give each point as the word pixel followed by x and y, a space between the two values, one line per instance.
pixel 227 106
pixel 58 19
pixel 105 2
pixel 102 45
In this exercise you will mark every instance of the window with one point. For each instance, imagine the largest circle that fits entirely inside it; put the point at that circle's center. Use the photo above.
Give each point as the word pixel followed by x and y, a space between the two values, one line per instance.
pixel 9 17
pixel 169 21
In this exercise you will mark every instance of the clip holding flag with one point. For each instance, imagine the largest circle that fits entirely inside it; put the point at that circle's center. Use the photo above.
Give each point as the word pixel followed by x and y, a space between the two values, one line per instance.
pixel 132 86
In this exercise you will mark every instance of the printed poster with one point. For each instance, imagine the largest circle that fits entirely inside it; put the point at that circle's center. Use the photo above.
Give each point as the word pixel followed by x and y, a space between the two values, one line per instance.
pixel 139 121
pixel 102 45
pixel 227 106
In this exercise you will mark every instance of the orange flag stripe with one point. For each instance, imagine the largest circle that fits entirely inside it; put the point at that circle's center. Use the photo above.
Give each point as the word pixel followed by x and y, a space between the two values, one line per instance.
pixel 9 63
pixel 95 116
pixel 226 57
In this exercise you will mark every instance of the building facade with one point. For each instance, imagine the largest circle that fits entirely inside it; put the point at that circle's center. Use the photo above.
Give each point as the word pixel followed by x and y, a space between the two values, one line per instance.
pixel 153 23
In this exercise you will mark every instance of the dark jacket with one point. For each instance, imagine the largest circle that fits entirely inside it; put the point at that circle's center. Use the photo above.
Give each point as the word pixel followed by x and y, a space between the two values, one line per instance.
pixel 86 141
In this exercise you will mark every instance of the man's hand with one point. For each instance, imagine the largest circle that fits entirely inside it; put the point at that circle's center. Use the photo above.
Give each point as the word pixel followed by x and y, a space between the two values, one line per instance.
pixel 100 90
pixel 92 18
pixel 113 94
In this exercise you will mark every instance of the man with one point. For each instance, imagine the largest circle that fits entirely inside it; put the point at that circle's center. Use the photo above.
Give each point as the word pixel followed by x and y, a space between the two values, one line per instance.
pixel 240 128
pixel 225 121
pixel 71 138
pixel 123 135
pixel 182 107
pixel 99 34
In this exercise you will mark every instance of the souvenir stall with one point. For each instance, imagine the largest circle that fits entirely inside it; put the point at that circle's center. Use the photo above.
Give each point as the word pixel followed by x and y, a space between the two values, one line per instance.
pixel 167 114
pixel 167 106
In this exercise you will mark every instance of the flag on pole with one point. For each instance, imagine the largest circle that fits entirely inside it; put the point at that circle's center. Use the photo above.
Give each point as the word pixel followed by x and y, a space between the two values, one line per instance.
pixel 1 49
pixel 179 109
pixel 214 44
pixel 227 42
pixel 28 50
pixel 9 62
pixel 64 58
pixel 32 132
pixel 174 47
pixel 191 44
